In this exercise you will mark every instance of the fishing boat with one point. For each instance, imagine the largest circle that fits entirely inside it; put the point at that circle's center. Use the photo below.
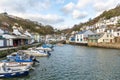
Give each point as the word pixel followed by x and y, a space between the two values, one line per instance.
pixel 7 72
pixel 21 58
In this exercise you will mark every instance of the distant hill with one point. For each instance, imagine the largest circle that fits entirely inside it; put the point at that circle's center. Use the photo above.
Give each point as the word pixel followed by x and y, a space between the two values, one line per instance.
pixel 32 26
pixel 105 15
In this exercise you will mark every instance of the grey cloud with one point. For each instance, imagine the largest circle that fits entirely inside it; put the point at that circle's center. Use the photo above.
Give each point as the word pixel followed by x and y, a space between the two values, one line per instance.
pixel 47 19
pixel 24 6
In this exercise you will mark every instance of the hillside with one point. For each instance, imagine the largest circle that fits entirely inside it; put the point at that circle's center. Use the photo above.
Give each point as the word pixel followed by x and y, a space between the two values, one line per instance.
pixel 105 15
pixel 26 24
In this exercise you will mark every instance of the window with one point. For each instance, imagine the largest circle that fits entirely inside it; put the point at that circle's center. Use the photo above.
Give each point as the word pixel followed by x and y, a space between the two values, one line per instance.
pixel 107 35
pixel 110 35
pixel 81 39
pixel 77 39
pixel 118 34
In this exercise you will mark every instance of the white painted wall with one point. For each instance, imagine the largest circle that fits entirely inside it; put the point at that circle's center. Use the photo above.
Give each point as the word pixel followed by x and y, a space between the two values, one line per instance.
pixel 79 38
pixel 116 33
pixel 106 37
pixel 1 43
pixel 101 30
pixel 9 42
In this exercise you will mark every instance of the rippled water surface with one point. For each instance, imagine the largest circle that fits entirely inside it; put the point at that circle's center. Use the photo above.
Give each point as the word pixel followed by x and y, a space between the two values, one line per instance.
pixel 70 62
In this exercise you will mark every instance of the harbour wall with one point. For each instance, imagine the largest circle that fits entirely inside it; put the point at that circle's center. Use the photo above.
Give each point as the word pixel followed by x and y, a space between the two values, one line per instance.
pixel 105 45
pixel 9 50
pixel 100 45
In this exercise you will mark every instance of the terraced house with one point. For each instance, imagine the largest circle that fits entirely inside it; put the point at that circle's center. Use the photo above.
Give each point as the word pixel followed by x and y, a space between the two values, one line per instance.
pixel 82 36
pixel 101 38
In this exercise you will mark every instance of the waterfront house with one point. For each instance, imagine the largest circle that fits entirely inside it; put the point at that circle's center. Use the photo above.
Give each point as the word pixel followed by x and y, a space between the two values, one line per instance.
pixel 72 39
pixel 5 37
pixel 2 41
pixel 9 39
pixel 72 36
pixel 36 37
pixel 5 40
pixel 21 38
pixel 82 37
pixel 101 38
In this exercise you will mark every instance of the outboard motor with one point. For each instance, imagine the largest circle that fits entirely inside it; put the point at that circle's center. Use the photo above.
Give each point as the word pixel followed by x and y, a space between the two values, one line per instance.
pixel 48 53
pixel 34 59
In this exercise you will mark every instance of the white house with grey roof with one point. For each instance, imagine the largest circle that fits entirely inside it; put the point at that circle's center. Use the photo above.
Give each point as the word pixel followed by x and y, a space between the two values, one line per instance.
pixel 101 38
pixel 82 37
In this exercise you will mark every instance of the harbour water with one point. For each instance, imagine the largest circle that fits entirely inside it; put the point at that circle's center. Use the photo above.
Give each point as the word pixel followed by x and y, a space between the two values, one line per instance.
pixel 69 62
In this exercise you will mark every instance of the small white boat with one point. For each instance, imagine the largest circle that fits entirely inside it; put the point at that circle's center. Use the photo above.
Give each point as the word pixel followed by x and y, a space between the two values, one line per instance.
pixel 19 65
pixel 35 52
pixel 44 48
pixel 15 65
pixel 7 72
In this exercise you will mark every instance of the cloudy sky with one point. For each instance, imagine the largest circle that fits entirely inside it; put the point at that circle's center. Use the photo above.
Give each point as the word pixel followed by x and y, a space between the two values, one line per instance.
pixel 58 13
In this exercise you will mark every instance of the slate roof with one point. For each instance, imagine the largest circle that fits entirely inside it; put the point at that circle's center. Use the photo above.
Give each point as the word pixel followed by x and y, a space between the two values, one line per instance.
pixel 86 33
pixel 96 36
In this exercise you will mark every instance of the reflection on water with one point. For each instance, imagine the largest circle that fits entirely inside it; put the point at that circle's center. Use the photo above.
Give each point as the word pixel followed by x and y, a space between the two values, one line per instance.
pixel 70 62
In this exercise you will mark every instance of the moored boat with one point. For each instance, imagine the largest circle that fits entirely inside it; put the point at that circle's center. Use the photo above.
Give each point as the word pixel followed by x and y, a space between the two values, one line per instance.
pixel 16 65
pixel 48 45
pixel 7 72
pixel 45 49
pixel 36 52
pixel 21 58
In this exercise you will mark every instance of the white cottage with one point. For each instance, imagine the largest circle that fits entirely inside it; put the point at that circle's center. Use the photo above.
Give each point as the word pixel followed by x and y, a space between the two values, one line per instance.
pixel 82 37
pixel 5 39
pixel 9 39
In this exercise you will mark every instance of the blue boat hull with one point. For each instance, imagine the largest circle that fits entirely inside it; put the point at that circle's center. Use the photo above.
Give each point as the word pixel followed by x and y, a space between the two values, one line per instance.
pixel 15 74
